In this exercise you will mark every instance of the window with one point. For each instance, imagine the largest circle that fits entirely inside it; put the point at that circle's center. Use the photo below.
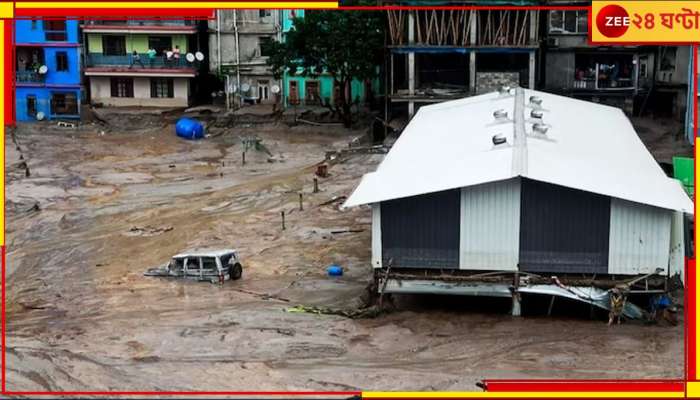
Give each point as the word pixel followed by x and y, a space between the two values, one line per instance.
pixel 55 30
pixel 264 45
pixel 225 259
pixel 64 104
pixel 177 264
pixel 61 61
pixel 293 92
pixel 161 44
pixel 264 13
pixel 113 45
pixel 31 105
pixel 604 71
pixel 35 24
pixel 313 94
pixel 193 265
pixel 122 87
pixel 162 88
pixel 568 21
pixel 209 264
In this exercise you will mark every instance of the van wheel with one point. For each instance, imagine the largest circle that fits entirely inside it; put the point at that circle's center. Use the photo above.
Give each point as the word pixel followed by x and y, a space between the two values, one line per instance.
pixel 236 272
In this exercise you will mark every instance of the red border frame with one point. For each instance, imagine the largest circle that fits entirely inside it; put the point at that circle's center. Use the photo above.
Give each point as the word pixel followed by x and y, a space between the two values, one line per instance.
pixel 578 386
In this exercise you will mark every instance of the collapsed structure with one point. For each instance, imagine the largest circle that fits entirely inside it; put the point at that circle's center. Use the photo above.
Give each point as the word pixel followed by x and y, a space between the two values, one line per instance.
pixel 542 190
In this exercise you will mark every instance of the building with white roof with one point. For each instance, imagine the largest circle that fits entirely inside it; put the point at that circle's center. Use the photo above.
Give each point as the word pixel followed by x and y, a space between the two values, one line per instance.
pixel 524 181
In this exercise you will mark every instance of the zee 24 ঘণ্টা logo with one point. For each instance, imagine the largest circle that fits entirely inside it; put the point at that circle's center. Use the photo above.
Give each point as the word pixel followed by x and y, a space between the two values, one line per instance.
pixel 612 21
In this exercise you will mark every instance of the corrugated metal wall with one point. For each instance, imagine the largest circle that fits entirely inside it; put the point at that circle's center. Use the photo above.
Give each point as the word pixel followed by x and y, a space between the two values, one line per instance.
pixel 640 238
pixel 376 236
pixel 490 226
pixel 676 260
pixel 421 231
pixel 563 230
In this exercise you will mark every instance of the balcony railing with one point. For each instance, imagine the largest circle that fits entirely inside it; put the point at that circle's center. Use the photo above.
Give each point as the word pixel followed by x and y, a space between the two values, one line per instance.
pixel 56 36
pixel 141 22
pixel 28 77
pixel 126 61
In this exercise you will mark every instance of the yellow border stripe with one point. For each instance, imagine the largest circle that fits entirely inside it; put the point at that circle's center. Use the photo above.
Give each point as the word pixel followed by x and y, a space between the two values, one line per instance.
pixel 6 10
pixel 537 395
pixel 242 4
pixel 693 389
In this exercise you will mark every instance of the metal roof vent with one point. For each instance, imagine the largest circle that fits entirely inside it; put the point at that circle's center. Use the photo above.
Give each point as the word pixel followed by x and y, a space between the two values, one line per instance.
pixel 536 114
pixel 535 101
pixel 500 115
pixel 540 128
pixel 498 139
pixel 504 90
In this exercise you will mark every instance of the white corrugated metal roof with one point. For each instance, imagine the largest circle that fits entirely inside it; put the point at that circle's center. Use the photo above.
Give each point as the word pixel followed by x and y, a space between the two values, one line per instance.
pixel 588 146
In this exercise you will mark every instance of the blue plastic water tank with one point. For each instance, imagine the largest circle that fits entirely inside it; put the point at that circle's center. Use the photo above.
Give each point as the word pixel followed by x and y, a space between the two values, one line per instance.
pixel 335 270
pixel 188 128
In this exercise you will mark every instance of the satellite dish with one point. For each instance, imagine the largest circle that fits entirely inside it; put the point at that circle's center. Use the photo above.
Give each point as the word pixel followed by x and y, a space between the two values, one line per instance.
pixel 190 57
pixel 234 89
pixel 275 89
pixel 213 94
pixel 40 116
pixel 199 56
pixel 169 54
pixel 43 69
pixel 245 87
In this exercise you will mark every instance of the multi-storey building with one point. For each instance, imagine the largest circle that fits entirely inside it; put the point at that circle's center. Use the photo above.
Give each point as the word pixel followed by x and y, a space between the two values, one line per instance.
pixel 140 62
pixel 437 55
pixel 47 84
pixel 237 54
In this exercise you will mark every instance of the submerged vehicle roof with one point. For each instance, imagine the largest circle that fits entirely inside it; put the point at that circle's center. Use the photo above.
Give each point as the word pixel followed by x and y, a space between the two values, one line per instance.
pixel 205 253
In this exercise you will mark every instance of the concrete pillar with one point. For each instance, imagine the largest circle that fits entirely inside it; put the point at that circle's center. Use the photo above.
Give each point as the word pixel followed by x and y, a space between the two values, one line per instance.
pixel 515 308
pixel 534 22
pixel 472 53
pixel 411 63
pixel 531 71
pixel 472 72
pixel 411 82
pixel 391 73
pixel 534 17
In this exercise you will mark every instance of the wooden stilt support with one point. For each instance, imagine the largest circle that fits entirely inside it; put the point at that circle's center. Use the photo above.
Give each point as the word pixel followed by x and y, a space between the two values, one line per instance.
pixel 384 283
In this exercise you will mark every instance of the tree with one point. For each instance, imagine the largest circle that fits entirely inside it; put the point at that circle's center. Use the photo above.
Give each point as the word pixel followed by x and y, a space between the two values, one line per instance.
pixel 346 45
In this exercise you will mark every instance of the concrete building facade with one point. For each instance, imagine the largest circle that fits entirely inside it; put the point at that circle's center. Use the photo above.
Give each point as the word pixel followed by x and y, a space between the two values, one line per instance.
pixel 237 55
pixel 140 62
pixel 47 75
pixel 437 55
pixel 638 79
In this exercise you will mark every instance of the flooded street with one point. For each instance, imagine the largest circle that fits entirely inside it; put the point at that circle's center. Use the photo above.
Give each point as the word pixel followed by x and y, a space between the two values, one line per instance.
pixel 96 210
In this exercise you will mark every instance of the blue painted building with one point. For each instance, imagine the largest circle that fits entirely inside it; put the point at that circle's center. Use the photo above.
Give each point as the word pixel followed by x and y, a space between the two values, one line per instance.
pixel 47 65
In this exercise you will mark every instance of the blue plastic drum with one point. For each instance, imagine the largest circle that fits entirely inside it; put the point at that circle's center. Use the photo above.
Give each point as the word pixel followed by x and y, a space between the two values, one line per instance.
pixel 190 129
pixel 335 270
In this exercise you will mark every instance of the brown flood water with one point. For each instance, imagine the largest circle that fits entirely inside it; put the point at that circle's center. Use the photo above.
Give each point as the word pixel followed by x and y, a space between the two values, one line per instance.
pixel 82 317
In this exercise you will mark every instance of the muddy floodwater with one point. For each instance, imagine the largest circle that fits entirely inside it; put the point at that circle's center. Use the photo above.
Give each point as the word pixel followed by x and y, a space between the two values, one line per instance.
pixel 94 210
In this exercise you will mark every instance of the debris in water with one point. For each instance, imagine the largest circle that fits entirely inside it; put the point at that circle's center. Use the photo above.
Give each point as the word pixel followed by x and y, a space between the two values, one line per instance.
pixel 147 230
pixel 369 312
